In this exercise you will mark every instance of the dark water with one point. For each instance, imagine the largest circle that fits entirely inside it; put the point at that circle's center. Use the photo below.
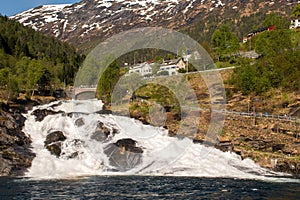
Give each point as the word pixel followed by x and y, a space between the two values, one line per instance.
pixel 138 187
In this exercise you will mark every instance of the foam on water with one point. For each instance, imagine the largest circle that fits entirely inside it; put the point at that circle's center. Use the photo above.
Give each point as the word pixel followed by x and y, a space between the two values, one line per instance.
pixel 162 155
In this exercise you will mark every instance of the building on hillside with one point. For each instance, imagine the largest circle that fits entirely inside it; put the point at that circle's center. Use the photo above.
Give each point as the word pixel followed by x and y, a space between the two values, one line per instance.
pixel 295 23
pixel 144 69
pixel 171 67
pixel 256 32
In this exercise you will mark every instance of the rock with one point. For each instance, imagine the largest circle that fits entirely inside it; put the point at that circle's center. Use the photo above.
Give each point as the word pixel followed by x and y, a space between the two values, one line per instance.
pixel 54 141
pixel 291 167
pixel 102 132
pixel 15 150
pixel 79 122
pixel 99 136
pixel 277 147
pixel 129 145
pixel 225 146
pixel 56 136
pixel 124 154
pixel 55 149
pixel 41 114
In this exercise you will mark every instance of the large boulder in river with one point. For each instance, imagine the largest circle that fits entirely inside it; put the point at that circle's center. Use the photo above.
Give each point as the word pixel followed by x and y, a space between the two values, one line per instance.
pixel 41 114
pixel 124 154
pixel 54 141
pixel 102 132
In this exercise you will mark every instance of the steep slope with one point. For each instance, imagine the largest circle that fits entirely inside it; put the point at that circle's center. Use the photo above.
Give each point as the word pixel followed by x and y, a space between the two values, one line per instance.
pixel 95 20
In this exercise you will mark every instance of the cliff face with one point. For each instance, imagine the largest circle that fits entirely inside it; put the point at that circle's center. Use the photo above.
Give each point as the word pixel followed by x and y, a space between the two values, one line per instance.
pixel 15 150
pixel 91 21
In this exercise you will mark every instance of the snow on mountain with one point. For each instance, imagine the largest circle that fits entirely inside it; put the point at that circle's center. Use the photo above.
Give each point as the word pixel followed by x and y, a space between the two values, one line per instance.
pixel 89 19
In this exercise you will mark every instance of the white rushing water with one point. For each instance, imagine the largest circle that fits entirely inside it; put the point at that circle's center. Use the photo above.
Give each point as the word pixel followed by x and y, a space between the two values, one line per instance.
pixel 83 155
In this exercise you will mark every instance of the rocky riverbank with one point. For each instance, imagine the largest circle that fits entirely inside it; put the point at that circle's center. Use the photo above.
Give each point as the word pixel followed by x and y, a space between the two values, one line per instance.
pixel 15 150
pixel 272 142
pixel 15 147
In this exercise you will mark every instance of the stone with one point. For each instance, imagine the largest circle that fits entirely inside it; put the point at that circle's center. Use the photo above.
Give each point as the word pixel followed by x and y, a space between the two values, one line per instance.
pixel 55 148
pixel 55 137
pixel 54 141
pixel 277 147
pixel 99 136
pixel 124 154
pixel 79 122
pixel 15 149
pixel 41 114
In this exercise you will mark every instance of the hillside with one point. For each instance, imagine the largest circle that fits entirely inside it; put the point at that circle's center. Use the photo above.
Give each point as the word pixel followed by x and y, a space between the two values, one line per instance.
pixel 86 23
pixel 31 61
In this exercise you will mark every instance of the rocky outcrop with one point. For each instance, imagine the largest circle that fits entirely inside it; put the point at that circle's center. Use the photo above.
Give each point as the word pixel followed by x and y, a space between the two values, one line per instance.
pixel 15 150
pixel 54 141
pixel 124 154
pixel 291 167
pixel 41 114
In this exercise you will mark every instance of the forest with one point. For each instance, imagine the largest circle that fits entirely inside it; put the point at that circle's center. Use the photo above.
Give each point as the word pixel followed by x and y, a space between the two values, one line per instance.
pixel 30 61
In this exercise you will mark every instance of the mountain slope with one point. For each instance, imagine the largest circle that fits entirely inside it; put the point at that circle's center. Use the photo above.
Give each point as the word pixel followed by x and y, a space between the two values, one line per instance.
pixel 95 20
pixel 29 60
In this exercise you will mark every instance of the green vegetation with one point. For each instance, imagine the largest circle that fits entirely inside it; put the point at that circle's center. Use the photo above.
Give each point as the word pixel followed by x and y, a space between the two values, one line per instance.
pixel 108 81
pixel 31 61
pixel 277 68
pixel 296 11
pixel 224 41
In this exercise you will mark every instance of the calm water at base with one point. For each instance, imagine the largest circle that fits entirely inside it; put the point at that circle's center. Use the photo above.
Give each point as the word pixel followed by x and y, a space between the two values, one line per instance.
pixel 145 187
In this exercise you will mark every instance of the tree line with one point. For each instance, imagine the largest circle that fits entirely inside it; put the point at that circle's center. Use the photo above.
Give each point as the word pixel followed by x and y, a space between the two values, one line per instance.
pixel 31 61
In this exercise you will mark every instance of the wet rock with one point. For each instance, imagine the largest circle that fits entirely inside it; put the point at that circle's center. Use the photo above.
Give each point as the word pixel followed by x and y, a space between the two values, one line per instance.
pixel 225 146
pixel 291 167
pixel 41 114
pixel 55 149
pixel 124 154
pixel 79 122
pixel 56 136
pixel 102 132
pixel 99 136
pixel 54 141
pixel 15 150
pixel 129 145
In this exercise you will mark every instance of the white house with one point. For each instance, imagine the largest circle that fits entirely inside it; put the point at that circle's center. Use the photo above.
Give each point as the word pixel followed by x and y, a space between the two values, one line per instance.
pixel 172 66
pixel 295 23
pixel 143 69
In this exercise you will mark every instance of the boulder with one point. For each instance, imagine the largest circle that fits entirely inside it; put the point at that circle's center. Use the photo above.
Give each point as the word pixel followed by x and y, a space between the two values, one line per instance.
pixel 54 141
pixel 55 148
pixel 41 114
pixel 15 150
pixel 79 122
pixel 292 167
pixel 129 145
pixel 56 136
pixel 124 154
pixel 277 147
pixel 99 136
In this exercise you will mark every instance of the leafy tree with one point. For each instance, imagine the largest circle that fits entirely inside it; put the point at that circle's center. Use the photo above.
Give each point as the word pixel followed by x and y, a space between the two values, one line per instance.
pixel 271 43
pixel 108 81
pixel 33 60
pixel 224 41
pixel 296 11
pixel 276 20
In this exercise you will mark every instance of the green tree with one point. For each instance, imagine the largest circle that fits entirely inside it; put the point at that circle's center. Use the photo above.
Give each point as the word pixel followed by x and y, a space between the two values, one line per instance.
pixel 276 20
pixel 271 43
pixel 296 11
pixel 108 81
pixel 224 41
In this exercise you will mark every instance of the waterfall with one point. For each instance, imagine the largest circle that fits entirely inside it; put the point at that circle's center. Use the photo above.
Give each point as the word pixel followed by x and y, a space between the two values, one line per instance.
pixel 72 139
